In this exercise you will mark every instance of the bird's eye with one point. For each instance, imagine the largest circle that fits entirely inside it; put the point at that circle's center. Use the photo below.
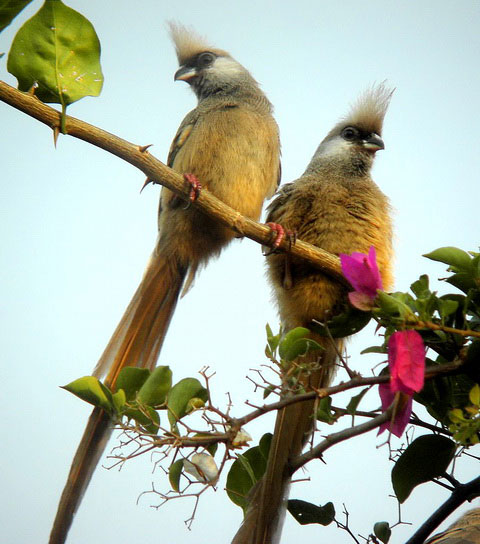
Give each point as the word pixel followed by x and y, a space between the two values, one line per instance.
pixel 350 133
pixel 205 59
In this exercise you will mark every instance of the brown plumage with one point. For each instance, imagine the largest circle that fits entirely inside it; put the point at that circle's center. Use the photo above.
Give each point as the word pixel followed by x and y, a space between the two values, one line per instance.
pixel 230 143
pixel 466 530
pixel 335 205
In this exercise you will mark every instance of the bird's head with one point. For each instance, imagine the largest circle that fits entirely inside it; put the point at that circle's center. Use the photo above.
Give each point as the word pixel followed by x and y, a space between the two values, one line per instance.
pixel 206 69
pixel 353 142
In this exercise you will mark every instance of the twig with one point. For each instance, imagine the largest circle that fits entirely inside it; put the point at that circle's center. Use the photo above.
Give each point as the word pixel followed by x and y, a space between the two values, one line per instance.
pixel 461 493
pixel 155 170
pixel 340 436
pixel 358 381
pixel 437 327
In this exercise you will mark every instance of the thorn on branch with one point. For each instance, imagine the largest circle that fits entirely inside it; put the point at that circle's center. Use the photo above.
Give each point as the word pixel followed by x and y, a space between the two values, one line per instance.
pixel 144 148
pixel 147 182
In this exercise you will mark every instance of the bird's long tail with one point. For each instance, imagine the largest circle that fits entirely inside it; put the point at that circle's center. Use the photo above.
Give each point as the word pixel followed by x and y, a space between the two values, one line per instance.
pixel 264 518
pixel 136 341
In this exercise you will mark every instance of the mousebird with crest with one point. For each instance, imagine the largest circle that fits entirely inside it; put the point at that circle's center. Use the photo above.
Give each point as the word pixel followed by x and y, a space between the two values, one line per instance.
pixel 229 144
pixel 334 205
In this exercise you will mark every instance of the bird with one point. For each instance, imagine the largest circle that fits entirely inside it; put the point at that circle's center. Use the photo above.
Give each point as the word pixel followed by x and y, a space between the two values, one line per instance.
pixel 335 205
pixel 230 145
pixel 466 530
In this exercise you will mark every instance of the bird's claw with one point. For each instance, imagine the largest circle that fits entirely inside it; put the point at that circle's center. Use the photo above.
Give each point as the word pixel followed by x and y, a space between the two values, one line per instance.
pixel 195 186
pixel 278 235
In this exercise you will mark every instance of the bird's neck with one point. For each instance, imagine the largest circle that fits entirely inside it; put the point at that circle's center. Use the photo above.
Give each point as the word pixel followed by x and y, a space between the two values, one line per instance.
pixel 348 167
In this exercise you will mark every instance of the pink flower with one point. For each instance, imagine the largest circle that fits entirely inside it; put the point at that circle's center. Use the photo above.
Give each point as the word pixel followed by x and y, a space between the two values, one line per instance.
pixel 406 359
pixel 362 272
pixel 402 413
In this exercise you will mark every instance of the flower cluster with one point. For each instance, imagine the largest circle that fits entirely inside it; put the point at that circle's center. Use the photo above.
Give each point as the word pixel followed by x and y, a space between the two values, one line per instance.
pixel 406 351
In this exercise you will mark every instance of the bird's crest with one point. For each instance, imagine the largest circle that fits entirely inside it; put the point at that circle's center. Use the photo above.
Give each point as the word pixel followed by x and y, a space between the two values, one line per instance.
pixel 370 108
pixel 189 43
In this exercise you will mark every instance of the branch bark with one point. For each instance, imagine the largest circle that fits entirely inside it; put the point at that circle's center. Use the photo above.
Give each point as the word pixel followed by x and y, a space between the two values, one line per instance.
pixel 461 494
pixel 158 172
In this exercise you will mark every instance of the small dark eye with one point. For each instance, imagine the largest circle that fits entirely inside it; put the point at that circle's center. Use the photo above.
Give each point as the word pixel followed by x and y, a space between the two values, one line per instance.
pixel 350 133
pixel 205 59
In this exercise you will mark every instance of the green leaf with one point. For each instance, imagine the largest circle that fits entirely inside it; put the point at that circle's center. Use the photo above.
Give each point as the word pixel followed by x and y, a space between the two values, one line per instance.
pixel 131 379
pixel 306 512
pixel 272 339
pixel 355 401
pixel 374 349
pixel 427 457
pixel 174 473
pixel 324 411
pixel 463 281
pixel 269 389
pixel 475 395
pixel 154 391
pixel 146 417
pixel 446 307
pixel 420 287
pixel 247 469
pixel 471 366
pixel 456 258
pixel 9 9
pixel 382 531
pixel 286 346
pixel 394 305
pixel 58 51
pixel 91 390
pixel 119 399
pixel 179 396
pixel 345 324
pixel 265 443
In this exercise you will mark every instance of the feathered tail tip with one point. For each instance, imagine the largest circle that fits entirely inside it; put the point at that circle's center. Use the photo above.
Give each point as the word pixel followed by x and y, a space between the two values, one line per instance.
pixel 370 108
pixel 188 42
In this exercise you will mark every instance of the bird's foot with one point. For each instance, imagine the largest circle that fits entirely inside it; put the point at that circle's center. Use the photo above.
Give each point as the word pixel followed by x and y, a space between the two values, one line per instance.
pixel 195 186
pixel 278 235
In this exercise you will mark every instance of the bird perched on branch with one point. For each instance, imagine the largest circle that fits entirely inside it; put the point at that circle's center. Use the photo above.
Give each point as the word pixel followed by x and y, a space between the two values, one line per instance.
pixel 230 144
pixel 466 530
pixel 336 206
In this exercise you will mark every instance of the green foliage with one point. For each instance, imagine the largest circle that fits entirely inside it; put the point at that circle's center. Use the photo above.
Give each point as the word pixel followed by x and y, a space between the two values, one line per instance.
pixel 155 389
pixel 382 531
pixel 9 9
pixel 184 397
pixel 174 473
pixel 138 394
pixel 349 322
pixel 57 51
pixel 324 411
pixel 131 380
pixel 465 423
pixel 296 343
pixel 427 457
pixel 246 470
pixel 306 512
pixel 355 401
pixel 92 390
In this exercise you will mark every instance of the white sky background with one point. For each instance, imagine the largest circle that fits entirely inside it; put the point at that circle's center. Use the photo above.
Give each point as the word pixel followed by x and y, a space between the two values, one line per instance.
pixel 76 235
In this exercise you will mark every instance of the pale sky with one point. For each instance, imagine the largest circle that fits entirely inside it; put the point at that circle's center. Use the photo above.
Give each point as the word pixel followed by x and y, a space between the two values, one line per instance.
pixel 76 235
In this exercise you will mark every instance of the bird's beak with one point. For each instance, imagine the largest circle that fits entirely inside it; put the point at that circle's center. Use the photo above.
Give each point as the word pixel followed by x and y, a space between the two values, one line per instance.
pixel 185 73
pixel 373 143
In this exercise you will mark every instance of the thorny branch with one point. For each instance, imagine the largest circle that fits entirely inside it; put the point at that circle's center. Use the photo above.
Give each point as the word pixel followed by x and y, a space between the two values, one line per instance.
pixel 158 172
